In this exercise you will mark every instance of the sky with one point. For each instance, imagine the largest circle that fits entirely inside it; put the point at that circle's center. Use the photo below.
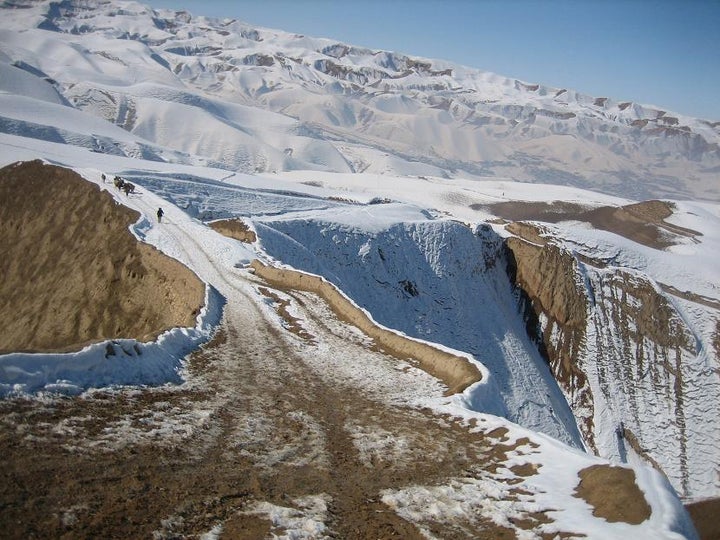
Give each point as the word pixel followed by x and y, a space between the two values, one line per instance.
pixel 655 52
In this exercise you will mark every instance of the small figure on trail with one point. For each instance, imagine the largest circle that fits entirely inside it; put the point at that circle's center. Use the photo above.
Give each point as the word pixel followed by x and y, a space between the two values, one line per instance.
pixel 160 214
pixel 128 188
pixel 119 182
pixel 103 177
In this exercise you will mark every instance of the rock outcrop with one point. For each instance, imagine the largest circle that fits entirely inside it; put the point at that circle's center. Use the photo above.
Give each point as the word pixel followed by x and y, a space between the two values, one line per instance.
pixel 555 316
pixel 629 362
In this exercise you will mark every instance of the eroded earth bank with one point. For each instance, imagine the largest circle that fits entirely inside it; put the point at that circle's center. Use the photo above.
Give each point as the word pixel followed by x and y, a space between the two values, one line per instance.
pixel 74 274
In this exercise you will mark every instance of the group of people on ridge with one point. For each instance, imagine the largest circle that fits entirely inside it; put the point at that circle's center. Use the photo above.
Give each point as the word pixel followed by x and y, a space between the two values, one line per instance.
pixel 130 188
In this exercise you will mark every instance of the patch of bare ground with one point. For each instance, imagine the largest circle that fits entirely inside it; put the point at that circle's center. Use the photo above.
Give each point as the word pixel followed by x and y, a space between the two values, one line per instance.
pixel 234 228
pixel 613 494
pixel 256 432
pixel 642 222
pixel 73 274
pixel 705 516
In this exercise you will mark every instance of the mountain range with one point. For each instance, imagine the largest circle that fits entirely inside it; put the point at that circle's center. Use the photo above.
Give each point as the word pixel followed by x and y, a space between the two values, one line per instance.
pixel 335 107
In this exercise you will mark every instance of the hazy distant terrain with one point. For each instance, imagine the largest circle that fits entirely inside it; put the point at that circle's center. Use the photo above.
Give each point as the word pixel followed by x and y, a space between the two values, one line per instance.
pixel 219 92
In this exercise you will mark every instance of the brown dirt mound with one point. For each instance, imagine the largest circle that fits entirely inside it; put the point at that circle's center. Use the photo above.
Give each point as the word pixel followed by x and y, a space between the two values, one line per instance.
pixel 613 494
pixel 234 228
pixel 640 222
pixel 705 516
pixel 73 273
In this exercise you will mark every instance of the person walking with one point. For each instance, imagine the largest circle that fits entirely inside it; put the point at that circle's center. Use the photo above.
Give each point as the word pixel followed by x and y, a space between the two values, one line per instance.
pixel 160 214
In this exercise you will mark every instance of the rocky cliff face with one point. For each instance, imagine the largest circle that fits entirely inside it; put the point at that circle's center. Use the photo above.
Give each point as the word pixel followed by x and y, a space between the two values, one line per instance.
pixel 639 374
pixel 555 317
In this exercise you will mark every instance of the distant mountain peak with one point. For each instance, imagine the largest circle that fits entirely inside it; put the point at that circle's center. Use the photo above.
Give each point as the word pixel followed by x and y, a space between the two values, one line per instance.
pixel 433 116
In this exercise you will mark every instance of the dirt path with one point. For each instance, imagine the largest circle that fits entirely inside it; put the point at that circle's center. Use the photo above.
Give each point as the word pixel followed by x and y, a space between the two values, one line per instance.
pixel 265 427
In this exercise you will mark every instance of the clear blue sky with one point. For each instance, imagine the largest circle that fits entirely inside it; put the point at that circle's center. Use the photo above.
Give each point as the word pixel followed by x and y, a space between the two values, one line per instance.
pixel 661 52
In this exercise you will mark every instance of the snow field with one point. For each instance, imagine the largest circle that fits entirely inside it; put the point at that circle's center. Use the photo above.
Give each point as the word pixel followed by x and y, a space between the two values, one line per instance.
pixel 216 258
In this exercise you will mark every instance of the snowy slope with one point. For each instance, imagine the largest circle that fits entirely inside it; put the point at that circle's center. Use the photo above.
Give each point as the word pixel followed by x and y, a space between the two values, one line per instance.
pixel 446 282
pixel 219 262
pixel 438 281
pixel 318 104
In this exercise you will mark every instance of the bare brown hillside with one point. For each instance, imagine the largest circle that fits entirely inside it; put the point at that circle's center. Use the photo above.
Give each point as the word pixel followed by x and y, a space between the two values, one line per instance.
pixel 642 222
pixel 72 273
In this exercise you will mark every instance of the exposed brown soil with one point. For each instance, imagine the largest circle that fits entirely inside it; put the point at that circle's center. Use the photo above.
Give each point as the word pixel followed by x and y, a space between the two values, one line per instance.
pixel 547 274
pixel 642 222
pixel 613 494
pixel 72 273
pixel 234 228
pixel 705 516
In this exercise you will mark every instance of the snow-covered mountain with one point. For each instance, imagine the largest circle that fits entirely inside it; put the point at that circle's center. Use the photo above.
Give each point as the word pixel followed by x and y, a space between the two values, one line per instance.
pixel 407 183
pixel 197 85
